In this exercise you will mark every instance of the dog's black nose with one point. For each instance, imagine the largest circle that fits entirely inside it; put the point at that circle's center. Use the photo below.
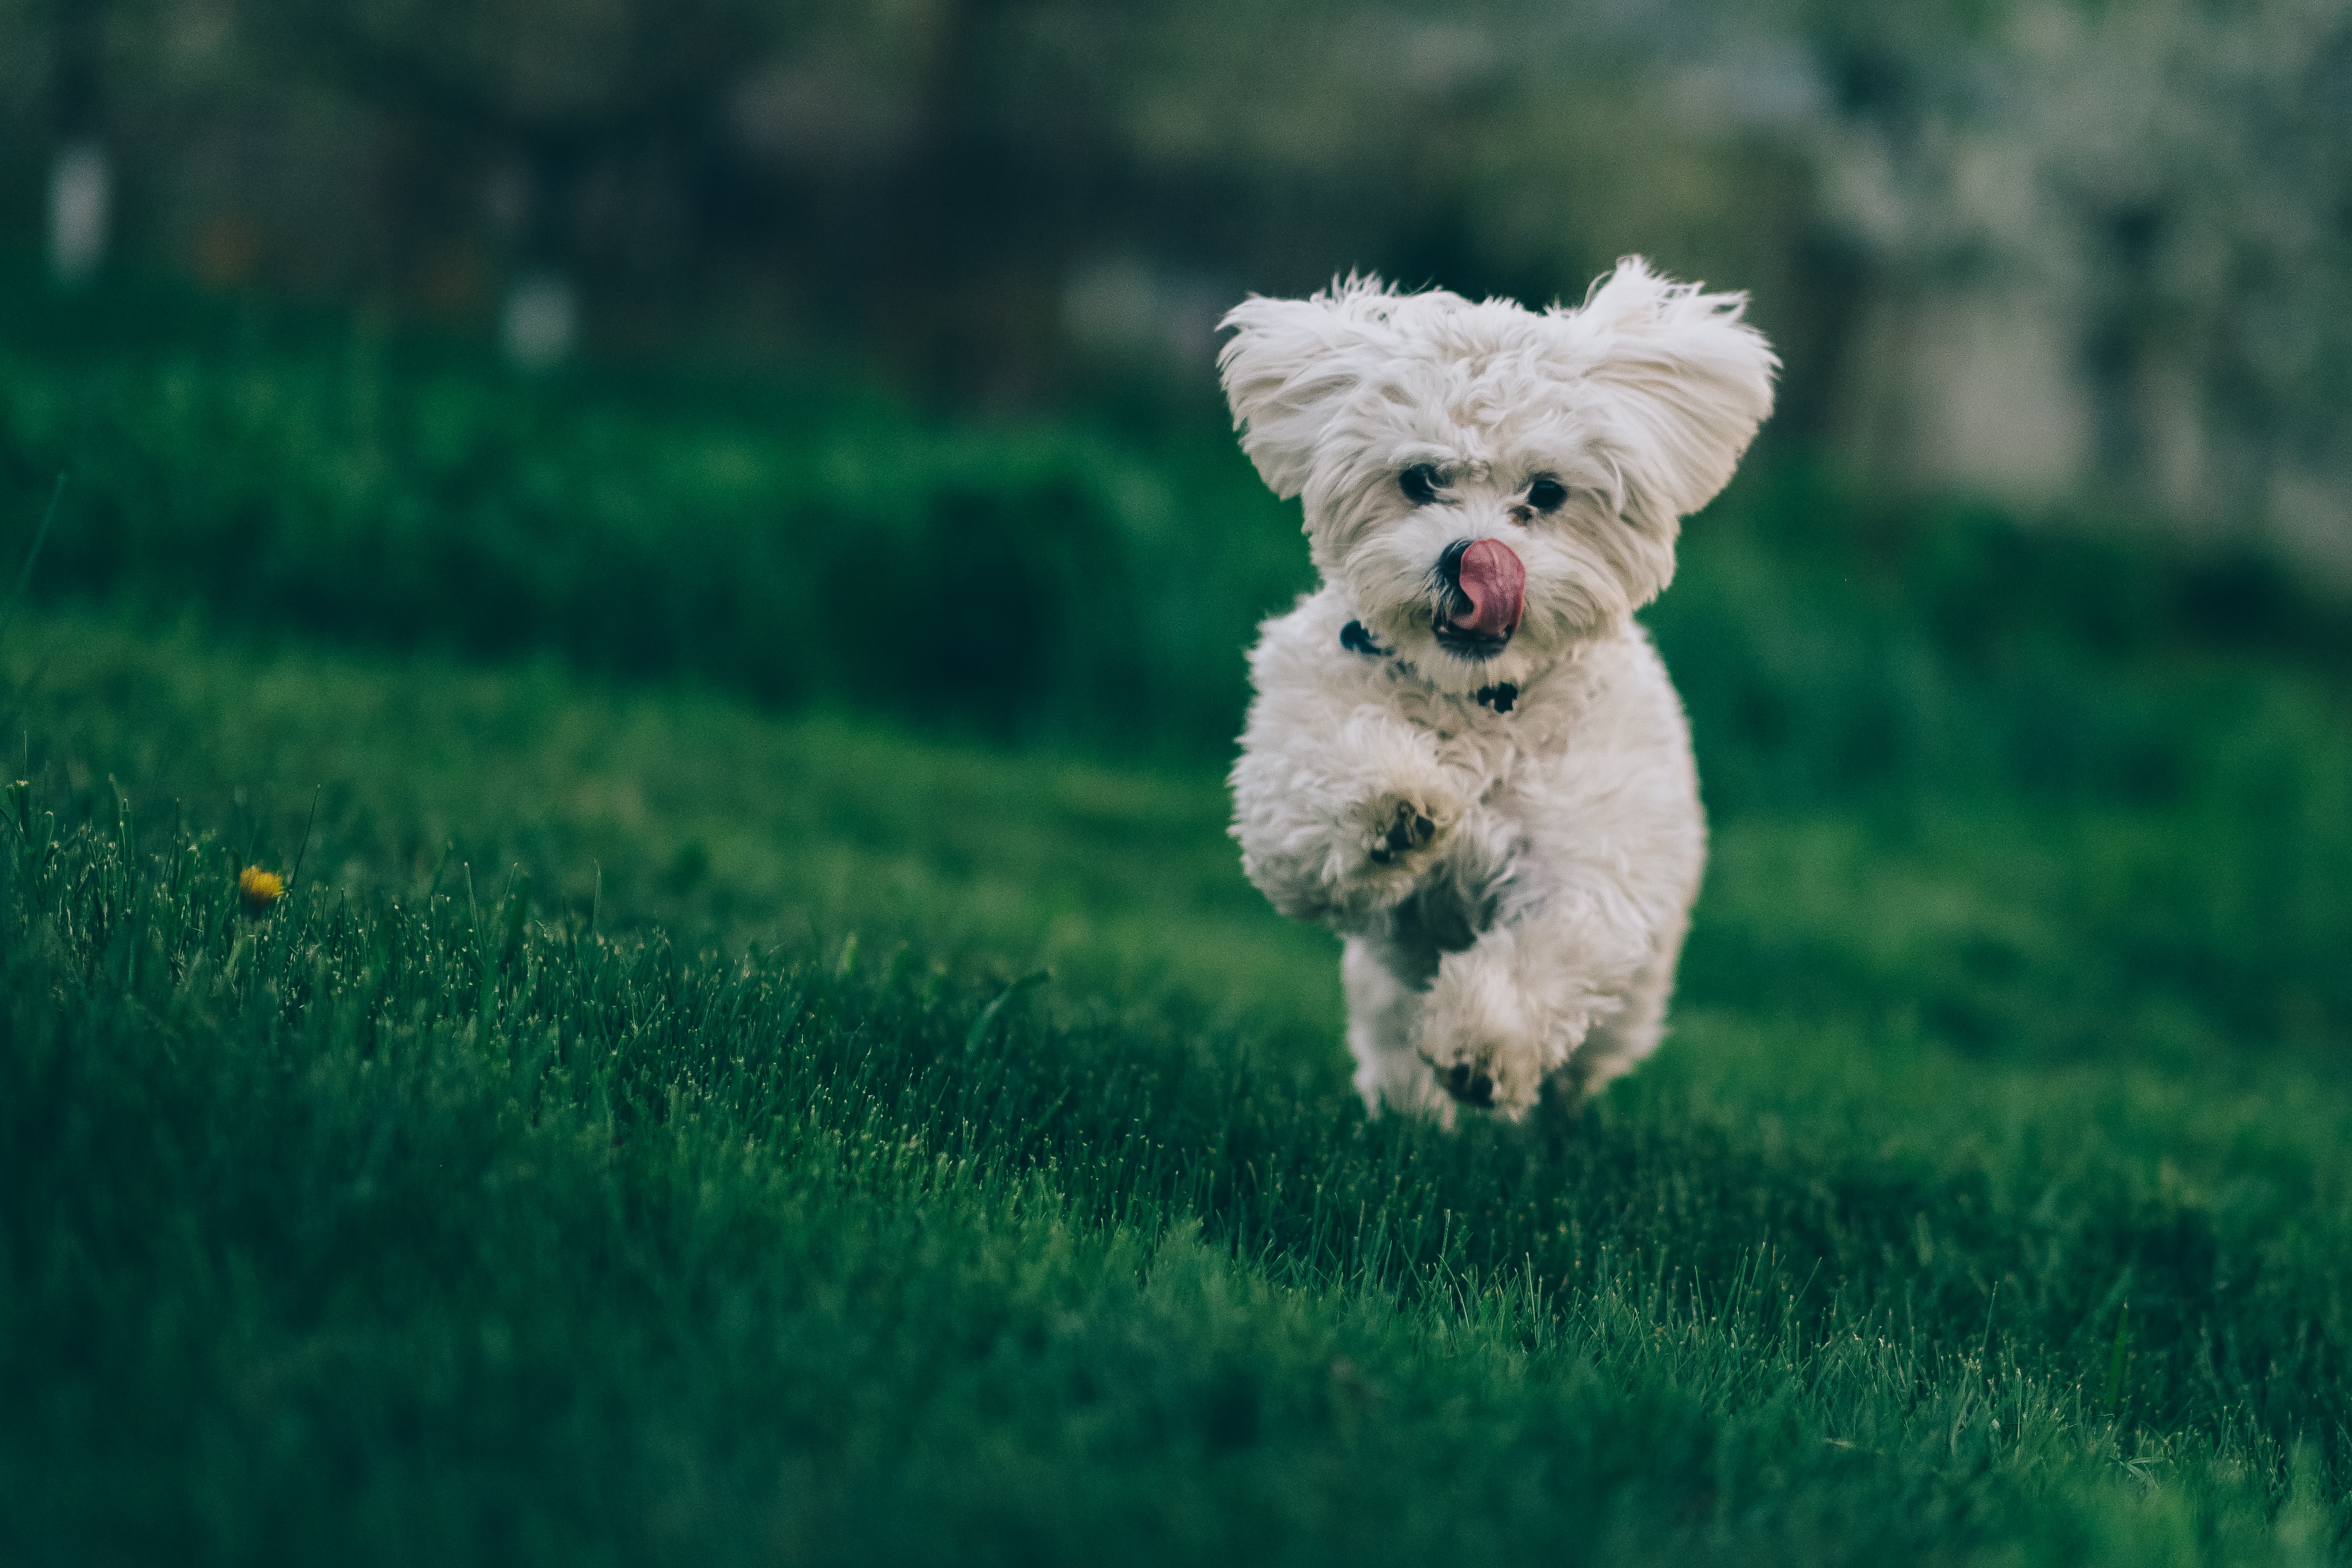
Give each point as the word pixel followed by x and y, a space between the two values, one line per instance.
pixel 1449 575
pixel 1472 1088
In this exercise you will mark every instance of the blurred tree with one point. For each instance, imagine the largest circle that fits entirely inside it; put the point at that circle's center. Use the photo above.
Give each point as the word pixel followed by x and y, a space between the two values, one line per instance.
pixel 581 125
pixel 81 172
pixel 2153 194
pixel 2035 246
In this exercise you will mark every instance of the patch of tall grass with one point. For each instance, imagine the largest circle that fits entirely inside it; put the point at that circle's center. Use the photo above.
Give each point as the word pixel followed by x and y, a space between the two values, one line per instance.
pixel 402 1226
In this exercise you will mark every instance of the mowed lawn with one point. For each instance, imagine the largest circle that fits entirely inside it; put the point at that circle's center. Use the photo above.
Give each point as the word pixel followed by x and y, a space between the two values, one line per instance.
pixel 729 1087
pixel 629 1142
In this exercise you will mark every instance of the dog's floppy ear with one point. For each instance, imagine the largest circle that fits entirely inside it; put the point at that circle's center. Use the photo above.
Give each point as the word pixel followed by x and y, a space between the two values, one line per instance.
pixel 1289 366
pixel 1693 380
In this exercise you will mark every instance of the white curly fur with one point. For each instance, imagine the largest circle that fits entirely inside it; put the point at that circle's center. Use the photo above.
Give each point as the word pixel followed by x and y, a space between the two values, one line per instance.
pixel 1533 930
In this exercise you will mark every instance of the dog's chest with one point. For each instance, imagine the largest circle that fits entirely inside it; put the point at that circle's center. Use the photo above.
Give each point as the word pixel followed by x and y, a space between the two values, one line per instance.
pixel 1505 750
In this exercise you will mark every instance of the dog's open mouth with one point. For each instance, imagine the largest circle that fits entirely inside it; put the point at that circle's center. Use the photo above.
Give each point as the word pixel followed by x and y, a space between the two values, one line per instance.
pixel 1481 591
pixel 1475 646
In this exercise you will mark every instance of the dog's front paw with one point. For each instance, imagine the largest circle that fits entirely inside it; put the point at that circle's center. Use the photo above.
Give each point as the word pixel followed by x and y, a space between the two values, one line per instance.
pixel 1409 827
pixel 1469 1084
pixel 1403 832
pixel 1483 1046
pixel 1489 1073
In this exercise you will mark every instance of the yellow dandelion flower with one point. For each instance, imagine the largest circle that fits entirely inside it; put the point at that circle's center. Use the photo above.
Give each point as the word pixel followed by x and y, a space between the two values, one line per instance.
pixel 260 891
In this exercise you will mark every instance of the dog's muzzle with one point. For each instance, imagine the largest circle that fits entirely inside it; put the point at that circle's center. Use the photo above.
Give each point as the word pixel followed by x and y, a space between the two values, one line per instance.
pixel 1483 585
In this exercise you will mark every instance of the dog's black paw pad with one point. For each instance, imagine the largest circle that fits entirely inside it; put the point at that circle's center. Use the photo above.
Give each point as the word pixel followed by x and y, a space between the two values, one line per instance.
pixel 1406 832
pixel 1469 1085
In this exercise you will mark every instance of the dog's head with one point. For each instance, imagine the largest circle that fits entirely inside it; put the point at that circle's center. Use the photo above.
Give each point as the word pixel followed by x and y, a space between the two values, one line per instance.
pixel 1491 485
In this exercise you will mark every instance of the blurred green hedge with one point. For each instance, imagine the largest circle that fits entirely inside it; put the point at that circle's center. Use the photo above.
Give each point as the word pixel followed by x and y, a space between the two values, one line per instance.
pixel 1054 582
pixel 1031 584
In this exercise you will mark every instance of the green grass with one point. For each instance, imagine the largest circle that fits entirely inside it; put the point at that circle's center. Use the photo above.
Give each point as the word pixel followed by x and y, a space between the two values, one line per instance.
pixel 434 1220
pixel 640 1137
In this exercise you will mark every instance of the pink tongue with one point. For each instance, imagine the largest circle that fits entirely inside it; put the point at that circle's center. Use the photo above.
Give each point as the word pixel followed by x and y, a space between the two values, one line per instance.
pixel 1496 586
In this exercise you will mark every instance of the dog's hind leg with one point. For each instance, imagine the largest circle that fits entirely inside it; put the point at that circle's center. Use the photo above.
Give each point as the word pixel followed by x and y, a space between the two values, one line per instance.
pixel 1619 1042
pixel 1383 1011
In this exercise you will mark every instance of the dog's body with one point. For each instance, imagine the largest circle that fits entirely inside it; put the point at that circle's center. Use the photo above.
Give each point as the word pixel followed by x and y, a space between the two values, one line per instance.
pixel 1463 754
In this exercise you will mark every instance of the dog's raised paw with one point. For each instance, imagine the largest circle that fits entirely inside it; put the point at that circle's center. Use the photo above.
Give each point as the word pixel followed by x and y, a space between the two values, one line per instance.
pixel 1407 828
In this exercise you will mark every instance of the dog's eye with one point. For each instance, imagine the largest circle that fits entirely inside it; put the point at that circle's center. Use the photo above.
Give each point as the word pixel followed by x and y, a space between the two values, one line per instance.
pixel 1419 484
pixel 1545 495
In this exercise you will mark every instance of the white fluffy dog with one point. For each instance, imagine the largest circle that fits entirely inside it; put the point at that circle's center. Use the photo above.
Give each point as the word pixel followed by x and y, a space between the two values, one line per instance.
pixel 1463 754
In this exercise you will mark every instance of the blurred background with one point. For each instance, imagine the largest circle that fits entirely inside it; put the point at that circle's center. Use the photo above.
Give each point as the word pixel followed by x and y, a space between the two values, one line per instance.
pixel 649 335
pixel 2042 251
pixel 750 475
